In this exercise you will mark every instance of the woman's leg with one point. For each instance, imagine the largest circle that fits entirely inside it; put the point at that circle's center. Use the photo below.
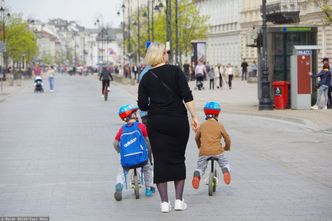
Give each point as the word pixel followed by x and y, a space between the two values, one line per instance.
pixel 326 89
pixel 179 186
pixel 162 189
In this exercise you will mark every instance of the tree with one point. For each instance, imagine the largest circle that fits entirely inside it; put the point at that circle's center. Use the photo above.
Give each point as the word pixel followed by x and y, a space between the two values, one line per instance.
pixel 20 41
pixel 191 26
pixel 326 10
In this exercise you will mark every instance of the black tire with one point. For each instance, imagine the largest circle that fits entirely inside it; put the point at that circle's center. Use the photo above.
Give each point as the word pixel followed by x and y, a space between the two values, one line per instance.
pixel 215 181
pixel 211 178
pixel 136 186
pixel 105 93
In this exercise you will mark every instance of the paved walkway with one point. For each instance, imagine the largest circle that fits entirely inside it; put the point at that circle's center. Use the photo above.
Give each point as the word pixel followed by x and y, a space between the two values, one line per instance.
pixel 243 99
pixel 57 160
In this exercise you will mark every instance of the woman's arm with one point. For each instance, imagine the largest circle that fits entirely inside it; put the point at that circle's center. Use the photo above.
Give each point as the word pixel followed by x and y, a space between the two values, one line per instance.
pixel 194 119
pixel 143 99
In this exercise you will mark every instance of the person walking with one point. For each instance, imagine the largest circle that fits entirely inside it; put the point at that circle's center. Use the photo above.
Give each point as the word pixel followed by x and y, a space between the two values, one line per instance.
pixel 186 70
pixel 51 73
pixel 230 73
pixel 135 71
pixel 211 77
pixel 165 94
pixel 323 86
pixel 329 102
pixel 244 66
pixel 37 71
pixel 253 68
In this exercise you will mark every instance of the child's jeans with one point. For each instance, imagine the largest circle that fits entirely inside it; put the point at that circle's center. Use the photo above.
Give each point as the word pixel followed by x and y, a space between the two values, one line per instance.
pixel 202 163
pixel 322 90
pixel 147 173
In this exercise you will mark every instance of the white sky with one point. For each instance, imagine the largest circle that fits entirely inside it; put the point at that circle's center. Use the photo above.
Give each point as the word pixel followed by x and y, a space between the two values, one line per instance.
pixel 85 12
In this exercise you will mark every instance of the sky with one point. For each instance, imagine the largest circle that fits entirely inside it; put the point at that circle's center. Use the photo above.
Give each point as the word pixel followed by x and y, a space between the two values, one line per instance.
pixel 85 12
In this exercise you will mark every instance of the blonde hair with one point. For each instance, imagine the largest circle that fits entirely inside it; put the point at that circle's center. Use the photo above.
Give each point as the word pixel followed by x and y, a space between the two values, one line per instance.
pixel 154 55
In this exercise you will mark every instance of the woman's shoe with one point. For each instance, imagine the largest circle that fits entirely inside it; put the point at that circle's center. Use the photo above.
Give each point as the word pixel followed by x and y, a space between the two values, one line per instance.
pixel 180 205
pixel 165 207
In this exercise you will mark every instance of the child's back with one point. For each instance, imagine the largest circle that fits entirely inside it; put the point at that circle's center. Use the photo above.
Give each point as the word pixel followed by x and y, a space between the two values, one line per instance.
pixel 209 137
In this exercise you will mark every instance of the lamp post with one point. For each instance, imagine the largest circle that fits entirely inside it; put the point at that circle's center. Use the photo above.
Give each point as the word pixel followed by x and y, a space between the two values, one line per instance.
pixel 4 15
pixel 176 34
pixel 138 34
pixel 169 29
pixel 155 7
pixel 265 101
pixel 123 34
pixel 99 36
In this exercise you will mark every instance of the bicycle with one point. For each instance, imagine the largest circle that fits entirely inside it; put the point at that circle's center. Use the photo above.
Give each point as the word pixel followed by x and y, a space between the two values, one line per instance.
pixel 105 91
pixel 213 179
pixel 136 181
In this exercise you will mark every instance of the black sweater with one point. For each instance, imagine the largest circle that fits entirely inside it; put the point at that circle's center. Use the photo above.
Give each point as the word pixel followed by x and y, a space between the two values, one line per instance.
pixel 157 99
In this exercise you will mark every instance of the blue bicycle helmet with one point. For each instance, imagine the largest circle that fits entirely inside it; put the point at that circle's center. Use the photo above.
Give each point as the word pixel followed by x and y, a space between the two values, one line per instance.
pixel 212 108
pixel 127 110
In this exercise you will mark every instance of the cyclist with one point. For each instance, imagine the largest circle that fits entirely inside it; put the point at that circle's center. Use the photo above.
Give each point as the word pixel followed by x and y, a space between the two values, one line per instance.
pixel 105 77
pixel 208 139
pixel 128 113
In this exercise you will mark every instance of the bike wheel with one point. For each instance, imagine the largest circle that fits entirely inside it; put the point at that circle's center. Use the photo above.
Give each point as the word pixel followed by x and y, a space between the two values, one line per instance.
pixel 211 178
pixel 136 186
pixel 215 181
pixel 105 94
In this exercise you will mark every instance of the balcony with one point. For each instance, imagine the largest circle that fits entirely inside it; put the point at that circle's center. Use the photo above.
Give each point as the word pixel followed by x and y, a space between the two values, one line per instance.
pixel 283 11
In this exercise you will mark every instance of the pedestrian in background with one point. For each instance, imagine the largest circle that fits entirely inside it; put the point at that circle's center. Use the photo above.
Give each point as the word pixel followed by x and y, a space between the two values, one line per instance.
pixel 165 94
pixel 135 71
pixel 329 102
pixel 37 71
pixel 51 73
pixel 186 70
pixel 211 77
pixel 244 66
pixel 323 86
pixel 229 73
pixel 253 68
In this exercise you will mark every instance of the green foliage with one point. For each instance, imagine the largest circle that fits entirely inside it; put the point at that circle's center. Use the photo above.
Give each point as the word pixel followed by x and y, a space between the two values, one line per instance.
pixel 326 10
pixel 20 40
pixel 191 26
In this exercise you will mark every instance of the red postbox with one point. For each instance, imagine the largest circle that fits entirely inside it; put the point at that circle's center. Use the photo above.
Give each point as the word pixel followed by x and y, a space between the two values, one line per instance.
pixel 280 89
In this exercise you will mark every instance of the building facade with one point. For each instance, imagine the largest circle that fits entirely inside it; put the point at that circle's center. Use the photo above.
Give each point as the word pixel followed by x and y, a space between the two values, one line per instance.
pixel 223 42
pixel 310 16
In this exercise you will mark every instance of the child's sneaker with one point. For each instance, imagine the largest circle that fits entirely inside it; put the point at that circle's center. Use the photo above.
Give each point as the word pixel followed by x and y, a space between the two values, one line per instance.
pixel 148 192
pixel 180 205
pixel 153 189
pixel 196 179
pixel 118 192
pixel 165 207
pixel 227 176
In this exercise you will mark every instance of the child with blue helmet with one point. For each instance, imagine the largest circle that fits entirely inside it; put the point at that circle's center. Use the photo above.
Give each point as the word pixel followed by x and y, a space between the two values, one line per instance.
pixel 128 113
pixel 208 139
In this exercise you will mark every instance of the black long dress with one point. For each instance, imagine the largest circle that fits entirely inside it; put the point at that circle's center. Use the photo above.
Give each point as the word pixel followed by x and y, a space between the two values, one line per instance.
pixel 167 125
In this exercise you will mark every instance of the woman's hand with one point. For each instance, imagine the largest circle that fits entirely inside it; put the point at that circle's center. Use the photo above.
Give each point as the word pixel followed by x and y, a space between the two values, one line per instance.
pixel 194 123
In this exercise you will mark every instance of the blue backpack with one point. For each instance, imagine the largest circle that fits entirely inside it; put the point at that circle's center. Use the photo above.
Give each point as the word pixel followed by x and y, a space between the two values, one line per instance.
pixel 133 151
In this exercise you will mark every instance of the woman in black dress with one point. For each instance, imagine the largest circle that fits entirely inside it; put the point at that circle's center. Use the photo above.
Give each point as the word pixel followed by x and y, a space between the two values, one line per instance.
pixel 165 94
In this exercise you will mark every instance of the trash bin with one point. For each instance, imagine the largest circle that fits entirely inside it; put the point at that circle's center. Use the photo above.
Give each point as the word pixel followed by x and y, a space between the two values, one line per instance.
pixel 280 89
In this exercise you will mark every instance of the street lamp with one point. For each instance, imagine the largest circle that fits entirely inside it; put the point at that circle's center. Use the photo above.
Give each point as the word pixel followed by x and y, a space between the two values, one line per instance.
pixel 157 7
pixel 265 101
pixel 99 23
pixel 123 33
pixel 169 29
pixel 4 15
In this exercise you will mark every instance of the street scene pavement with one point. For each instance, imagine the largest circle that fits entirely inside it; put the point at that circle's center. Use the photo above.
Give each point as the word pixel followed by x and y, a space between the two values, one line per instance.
pixel 57 159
